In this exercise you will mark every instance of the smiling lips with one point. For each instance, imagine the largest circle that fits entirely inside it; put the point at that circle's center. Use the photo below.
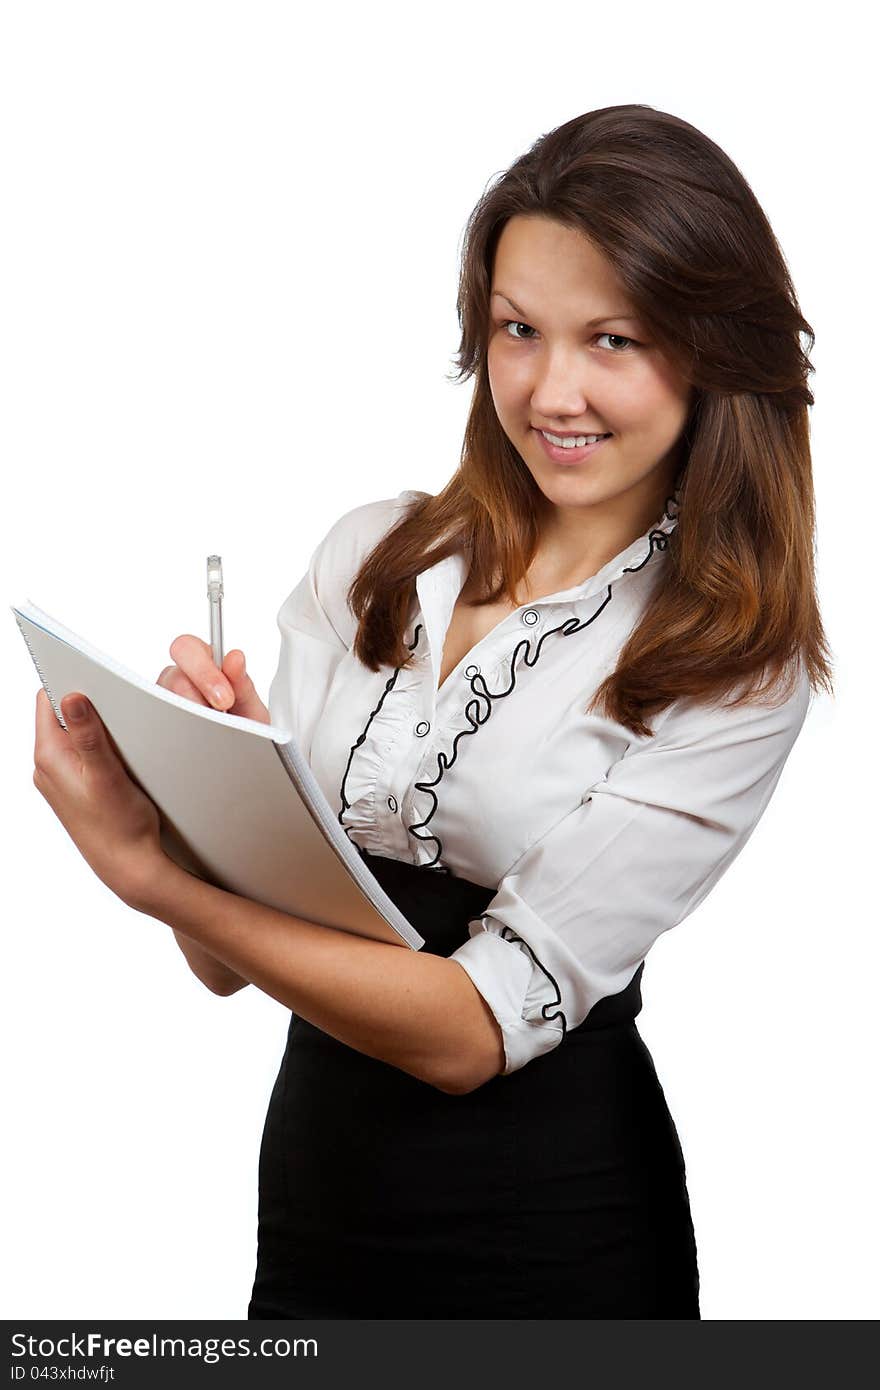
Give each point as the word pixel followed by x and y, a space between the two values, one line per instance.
pixel 570 453
pixel 571 434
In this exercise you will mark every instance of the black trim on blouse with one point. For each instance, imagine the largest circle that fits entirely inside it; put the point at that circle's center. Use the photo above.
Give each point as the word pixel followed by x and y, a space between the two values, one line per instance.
pixel 389 686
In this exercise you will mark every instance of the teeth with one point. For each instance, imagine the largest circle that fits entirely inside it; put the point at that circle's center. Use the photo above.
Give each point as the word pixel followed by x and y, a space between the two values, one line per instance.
pixel 577 443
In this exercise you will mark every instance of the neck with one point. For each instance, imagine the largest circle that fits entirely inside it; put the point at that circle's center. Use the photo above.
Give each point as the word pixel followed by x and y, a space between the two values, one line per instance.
pixel 575 542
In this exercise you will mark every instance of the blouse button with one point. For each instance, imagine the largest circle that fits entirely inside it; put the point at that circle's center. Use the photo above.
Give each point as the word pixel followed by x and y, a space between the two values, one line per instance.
pixel 530 617
pixel 471 671
pixel 392 804
pixel 422 728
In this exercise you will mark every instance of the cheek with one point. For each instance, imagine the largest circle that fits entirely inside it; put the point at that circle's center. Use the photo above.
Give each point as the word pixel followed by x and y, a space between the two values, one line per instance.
pixel 668 394
pixel 646 400
pixel 507 380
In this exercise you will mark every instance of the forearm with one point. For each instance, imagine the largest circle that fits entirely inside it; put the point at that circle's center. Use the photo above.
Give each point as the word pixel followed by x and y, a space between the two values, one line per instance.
pixel 207 968
pixel 416 1011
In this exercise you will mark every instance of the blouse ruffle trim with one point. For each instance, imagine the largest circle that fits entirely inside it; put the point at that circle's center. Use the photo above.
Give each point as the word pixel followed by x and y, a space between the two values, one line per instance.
pixel 360 791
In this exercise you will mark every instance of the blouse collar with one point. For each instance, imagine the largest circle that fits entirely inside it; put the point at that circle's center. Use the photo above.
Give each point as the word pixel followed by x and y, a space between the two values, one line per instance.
pixel 439 586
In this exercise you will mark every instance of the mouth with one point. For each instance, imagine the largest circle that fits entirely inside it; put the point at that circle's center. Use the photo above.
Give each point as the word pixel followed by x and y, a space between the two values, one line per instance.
pixel 567 453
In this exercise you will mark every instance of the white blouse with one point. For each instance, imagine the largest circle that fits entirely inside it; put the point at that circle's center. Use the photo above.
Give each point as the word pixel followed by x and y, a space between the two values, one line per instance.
pixel 597 840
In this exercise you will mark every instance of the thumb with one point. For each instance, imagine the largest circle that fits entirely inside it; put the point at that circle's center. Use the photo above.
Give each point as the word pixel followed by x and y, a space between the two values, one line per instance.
pixel 247 701
pixel 86 730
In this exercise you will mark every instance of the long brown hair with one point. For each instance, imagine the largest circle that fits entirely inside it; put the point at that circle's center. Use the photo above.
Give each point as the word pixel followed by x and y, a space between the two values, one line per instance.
pixel 736 604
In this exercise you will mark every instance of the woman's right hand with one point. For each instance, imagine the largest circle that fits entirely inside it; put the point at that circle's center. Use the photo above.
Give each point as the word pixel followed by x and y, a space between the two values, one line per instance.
pixel 196 677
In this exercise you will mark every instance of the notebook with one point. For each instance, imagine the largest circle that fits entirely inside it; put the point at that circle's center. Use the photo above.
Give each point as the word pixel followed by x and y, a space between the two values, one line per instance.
pixel 240 806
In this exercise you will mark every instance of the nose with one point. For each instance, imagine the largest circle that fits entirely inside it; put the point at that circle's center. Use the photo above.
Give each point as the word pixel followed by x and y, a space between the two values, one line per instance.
pixel 561 387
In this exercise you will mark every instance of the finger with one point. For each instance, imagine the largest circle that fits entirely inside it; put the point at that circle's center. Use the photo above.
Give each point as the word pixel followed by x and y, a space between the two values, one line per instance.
pixel 247 701
pixel 194 658
pixel 172 678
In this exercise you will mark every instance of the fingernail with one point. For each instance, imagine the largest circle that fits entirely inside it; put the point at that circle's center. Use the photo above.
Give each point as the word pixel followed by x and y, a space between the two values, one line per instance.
pixel 76 710
pixel 220 696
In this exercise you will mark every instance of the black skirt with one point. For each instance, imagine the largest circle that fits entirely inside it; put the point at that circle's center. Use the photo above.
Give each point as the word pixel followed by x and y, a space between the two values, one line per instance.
pixel 556 1192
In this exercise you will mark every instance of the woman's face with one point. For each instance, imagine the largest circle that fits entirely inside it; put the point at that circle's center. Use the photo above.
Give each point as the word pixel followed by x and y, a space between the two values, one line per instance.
pixel 573 358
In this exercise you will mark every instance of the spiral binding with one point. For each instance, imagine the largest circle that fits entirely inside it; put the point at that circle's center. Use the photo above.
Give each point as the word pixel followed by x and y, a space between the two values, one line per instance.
pixel 52 699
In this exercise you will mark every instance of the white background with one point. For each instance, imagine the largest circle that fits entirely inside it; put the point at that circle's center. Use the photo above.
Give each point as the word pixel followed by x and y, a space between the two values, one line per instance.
pixel 228 252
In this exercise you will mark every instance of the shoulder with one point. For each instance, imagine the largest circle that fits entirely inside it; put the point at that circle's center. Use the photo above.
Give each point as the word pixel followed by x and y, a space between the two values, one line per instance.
pixel 336 560
pixel 353 535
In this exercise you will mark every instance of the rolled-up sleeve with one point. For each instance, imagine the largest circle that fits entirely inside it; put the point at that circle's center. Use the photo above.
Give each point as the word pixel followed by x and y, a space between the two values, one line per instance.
pixel 577 913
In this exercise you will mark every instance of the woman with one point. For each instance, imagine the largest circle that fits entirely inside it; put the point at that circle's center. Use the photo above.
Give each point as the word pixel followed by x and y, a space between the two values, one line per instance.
pixel 550 704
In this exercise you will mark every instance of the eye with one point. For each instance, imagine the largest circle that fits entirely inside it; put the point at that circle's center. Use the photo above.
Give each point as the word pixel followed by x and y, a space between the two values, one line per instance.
pixel 618 337
pixel 512 323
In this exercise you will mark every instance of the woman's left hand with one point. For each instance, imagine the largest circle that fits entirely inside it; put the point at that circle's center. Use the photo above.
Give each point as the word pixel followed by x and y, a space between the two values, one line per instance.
pixel 113 824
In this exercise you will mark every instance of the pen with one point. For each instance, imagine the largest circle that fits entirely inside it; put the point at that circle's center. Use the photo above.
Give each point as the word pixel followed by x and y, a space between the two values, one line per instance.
pixel 215 607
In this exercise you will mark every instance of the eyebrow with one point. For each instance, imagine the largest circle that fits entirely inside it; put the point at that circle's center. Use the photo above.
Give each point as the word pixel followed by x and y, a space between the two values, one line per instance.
pixel 606 318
